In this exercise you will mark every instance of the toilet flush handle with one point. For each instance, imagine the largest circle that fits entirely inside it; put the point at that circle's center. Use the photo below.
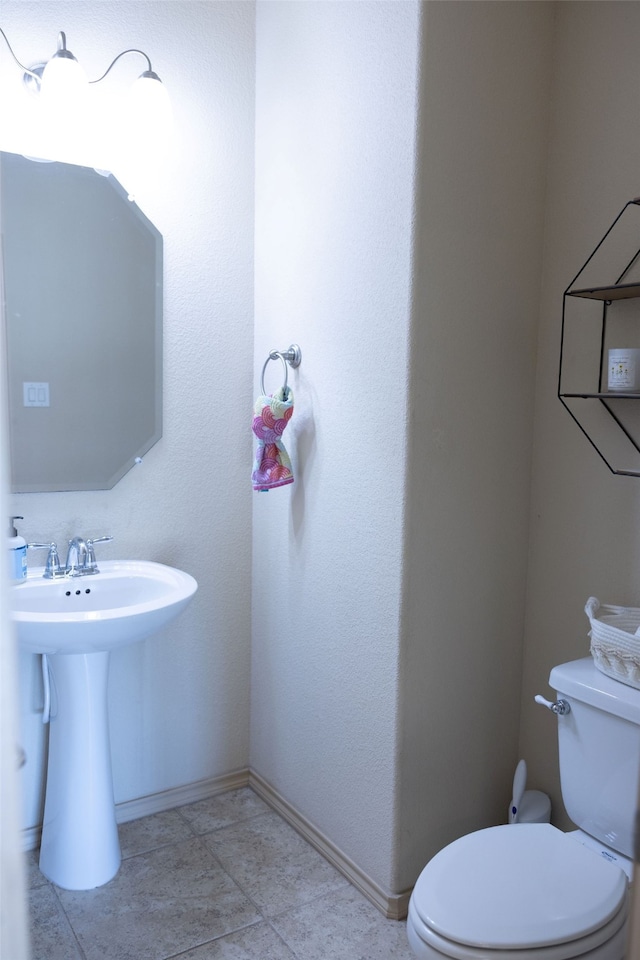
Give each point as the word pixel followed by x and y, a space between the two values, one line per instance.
pixel 560 707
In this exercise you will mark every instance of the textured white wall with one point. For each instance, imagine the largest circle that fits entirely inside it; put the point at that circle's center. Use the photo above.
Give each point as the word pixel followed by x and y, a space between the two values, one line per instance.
pixel 335 139
pixel 485 91
pixel 584 520
pixel 180 702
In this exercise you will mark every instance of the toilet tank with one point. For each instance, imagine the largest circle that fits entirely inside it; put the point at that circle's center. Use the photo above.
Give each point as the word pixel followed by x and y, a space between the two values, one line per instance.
pixel 599 746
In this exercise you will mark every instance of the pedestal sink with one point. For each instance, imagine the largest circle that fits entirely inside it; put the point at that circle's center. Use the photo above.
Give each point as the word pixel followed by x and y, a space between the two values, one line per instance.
pixel 75 622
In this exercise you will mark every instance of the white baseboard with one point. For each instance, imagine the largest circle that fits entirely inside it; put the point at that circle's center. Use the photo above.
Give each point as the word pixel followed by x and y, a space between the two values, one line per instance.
pixel 31 838
pixel 159 802
pixel 179 796
pixel 393 906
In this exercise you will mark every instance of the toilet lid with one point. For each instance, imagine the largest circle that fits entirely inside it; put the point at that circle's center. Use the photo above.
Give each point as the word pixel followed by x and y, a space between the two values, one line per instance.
pixel 515 886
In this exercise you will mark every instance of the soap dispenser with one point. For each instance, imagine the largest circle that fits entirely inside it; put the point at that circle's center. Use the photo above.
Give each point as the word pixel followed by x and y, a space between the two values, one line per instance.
pixel 17 553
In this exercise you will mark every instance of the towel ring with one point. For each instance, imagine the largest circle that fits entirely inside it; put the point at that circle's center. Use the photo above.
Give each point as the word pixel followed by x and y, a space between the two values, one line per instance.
pixel 292 356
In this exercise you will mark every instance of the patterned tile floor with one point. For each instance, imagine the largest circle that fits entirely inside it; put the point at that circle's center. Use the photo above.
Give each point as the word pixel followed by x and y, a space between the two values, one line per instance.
pixel 221 879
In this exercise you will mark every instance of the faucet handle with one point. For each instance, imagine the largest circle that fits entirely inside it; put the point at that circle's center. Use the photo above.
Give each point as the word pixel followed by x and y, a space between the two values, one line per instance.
pixel 91 565
pixel 52 568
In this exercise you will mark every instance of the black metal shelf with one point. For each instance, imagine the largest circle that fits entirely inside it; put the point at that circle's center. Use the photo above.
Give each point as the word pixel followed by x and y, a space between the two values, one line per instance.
pixel 626 418
pixel 600 396
pixel 616 291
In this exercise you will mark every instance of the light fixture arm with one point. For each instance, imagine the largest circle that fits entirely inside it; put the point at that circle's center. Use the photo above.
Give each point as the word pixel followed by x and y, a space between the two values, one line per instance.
pixel 21 65
pixel 113 62
pixel 62 47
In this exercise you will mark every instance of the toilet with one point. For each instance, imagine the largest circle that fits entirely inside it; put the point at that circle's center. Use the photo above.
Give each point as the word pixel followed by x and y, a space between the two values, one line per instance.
pixel 529 891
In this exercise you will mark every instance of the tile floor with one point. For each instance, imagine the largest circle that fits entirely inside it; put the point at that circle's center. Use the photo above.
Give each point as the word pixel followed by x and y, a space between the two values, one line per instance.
pixel 221 879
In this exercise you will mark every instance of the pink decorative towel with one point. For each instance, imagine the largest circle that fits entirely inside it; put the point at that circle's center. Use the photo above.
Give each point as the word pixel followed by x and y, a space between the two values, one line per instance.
pixel 272 466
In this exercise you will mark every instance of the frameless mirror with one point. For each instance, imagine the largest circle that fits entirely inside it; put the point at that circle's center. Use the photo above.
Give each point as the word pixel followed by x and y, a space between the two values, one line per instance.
pixel 83 301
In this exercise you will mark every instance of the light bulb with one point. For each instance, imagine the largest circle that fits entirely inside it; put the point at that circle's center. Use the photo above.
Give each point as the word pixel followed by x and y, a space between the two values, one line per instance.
pixel 149 107
pixel 64 82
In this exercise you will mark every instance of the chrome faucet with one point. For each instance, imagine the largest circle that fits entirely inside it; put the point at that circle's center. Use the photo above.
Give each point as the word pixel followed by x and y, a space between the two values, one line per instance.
pixel 81 557
pixel 77 553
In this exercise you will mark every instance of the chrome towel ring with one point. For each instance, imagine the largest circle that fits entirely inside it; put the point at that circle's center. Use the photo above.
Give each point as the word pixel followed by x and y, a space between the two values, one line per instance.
pixel 292 356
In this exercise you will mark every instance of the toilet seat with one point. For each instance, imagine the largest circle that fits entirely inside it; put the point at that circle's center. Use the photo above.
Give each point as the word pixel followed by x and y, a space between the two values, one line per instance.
pixel 604 944
pixel 514 888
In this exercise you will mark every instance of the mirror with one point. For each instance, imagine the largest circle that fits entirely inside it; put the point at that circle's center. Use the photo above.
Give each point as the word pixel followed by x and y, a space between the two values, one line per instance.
pixel 83 301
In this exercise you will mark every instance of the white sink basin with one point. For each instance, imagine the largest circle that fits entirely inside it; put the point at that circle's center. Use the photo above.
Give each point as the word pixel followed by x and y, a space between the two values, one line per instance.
pixel 127 601
pixel 87 617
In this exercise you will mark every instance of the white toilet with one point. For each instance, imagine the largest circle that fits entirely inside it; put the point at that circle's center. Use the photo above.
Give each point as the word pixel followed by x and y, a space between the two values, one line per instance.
pixel 529 891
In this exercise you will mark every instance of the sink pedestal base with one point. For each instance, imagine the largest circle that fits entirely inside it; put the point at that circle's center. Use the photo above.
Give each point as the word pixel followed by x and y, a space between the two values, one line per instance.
pixel 80 847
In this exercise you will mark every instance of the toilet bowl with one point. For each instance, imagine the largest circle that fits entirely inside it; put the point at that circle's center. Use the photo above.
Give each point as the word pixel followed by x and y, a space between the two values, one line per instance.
pixel 529 891
pixel 526 892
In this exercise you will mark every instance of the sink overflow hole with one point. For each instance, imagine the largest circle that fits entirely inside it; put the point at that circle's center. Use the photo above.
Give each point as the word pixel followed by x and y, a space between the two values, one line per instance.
pixel 78 592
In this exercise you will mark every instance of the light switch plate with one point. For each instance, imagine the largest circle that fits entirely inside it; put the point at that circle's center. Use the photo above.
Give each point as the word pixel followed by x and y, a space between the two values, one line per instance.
pixel 35 394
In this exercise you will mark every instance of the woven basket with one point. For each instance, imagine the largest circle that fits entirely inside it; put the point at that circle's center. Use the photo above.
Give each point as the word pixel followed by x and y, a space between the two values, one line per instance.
pixel 615 645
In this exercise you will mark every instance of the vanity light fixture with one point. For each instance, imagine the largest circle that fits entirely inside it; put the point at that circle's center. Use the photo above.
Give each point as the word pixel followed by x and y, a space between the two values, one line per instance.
pixel 63 81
